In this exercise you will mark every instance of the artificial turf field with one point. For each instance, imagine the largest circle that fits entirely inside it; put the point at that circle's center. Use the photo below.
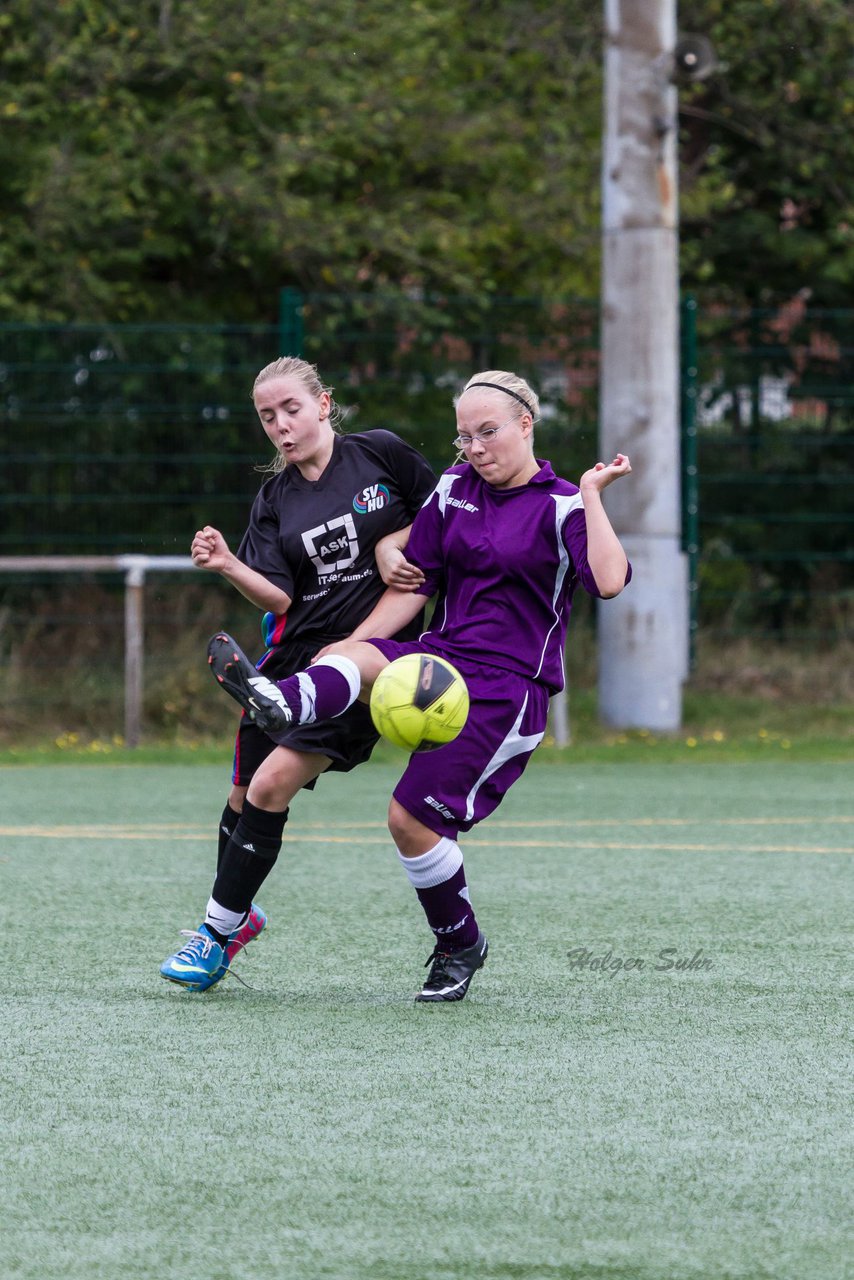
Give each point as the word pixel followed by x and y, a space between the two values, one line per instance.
pixel 562 1122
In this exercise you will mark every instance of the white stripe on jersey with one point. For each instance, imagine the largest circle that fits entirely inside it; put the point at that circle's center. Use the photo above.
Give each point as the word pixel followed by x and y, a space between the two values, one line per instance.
pixel 443 488
pixel 513 745
pixel 564 504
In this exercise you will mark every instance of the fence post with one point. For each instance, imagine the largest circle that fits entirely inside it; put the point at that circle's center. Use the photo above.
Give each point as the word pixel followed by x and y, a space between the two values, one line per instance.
pixel 690 473
pixel 134 627
pixel 290 322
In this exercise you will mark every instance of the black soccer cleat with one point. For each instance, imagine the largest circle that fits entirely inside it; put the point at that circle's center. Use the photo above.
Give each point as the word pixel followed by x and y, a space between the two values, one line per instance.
pixel 263 701
pixel 451 972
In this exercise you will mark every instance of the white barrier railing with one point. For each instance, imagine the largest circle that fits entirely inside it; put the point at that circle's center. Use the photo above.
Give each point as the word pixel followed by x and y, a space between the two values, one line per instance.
pixel 134 568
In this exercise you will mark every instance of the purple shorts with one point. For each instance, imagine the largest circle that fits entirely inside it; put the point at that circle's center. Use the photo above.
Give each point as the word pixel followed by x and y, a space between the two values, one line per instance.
pixel 455 786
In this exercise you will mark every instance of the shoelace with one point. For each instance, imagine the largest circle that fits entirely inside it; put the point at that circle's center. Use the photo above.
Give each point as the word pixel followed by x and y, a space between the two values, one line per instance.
pixel 232 973
pixel 439 960
pixel 192 950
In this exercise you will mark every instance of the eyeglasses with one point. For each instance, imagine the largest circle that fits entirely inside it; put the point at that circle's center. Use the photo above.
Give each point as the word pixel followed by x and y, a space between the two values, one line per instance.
pixel 486 436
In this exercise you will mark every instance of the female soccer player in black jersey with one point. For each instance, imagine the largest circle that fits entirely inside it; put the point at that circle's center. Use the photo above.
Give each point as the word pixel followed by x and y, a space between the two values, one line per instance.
pixel 308 560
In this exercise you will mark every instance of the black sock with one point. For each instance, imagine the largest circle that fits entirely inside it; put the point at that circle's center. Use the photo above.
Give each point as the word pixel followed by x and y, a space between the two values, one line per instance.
pixel 249 857
pixel 221 938
pixel 227 823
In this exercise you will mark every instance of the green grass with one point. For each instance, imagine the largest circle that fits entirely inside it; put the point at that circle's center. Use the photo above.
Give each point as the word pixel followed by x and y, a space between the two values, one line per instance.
pixel 560 1123
pixel 717 727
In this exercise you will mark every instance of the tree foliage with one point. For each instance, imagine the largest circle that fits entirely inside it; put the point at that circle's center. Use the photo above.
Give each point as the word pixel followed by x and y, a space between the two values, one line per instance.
pixel 767 147
pixel 168 158
pixel 161 159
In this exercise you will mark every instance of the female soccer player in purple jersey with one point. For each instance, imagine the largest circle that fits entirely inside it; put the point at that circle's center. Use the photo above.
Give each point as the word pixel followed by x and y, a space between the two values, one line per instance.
pixel 308 559
pixel 502 542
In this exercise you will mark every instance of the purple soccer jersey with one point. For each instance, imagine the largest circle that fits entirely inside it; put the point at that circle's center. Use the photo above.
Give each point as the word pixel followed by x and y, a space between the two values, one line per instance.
pixel 505 564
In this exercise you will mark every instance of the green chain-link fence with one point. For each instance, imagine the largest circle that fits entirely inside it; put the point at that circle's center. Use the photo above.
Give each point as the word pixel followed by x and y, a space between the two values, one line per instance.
pixel 126 438
pixel 768 470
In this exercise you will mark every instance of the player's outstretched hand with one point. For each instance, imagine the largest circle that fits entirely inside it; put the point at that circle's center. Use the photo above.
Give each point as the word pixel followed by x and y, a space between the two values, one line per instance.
pixel 209 549
pixel 603 474
pixel 395 569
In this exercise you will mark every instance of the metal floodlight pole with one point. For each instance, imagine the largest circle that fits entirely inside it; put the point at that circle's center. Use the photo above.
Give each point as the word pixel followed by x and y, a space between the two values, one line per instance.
pixel 643 634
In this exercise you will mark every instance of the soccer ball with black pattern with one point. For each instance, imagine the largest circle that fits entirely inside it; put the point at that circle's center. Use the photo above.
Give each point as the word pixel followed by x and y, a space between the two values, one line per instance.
pixel 419 702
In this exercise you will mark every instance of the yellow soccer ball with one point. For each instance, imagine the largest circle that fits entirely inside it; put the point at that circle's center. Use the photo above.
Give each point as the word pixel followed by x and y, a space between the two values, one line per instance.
pixel 419 702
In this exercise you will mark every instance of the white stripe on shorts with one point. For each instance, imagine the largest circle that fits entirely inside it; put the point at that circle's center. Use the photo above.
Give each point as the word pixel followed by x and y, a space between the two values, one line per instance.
pixel 513 745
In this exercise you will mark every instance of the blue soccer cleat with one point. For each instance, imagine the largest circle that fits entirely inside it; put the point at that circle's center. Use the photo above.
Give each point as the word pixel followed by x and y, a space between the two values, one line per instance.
pixel 249 930
pixel 199 964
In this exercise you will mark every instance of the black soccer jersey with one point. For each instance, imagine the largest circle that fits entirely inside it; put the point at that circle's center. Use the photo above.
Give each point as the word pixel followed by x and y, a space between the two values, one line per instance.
pixel 316 539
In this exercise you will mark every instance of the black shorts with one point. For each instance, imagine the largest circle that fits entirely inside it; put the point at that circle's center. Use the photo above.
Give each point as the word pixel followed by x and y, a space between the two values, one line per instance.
pixel 348 740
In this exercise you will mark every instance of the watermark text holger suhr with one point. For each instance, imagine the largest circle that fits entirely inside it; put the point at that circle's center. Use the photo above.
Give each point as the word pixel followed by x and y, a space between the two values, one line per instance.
pixel 668 960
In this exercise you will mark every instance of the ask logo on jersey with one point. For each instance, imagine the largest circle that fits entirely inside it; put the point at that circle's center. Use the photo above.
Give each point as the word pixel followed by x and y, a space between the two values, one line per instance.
pixel 374 498
pixel 333 546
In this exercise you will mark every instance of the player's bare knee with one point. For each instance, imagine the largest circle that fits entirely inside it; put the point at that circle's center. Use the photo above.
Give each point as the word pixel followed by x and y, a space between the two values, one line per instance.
pixel 369 660
pixel 270 788
pixel 410 836
pixel 236 798
pixel 398 822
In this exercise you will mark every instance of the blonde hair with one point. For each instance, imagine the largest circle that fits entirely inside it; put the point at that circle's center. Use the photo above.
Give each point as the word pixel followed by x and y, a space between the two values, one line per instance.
pixel 294 367
pixel 516 388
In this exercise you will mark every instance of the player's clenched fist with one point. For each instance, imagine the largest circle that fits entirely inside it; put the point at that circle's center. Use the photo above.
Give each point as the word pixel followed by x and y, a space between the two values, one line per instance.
pixel 209 549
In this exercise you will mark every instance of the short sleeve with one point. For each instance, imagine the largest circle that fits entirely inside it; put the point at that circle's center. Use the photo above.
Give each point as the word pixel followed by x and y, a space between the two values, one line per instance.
pixel 424 548
pixel 261 546
pixel 415 477
pixel 575 541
